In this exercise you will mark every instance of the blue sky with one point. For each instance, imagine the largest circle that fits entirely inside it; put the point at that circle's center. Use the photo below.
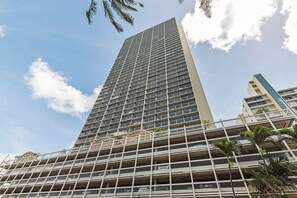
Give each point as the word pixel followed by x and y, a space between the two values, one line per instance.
pixel 48 52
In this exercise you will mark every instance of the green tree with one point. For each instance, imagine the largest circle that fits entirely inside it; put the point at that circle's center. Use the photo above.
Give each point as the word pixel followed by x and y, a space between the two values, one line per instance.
pixel 290 134
pixel 120 7
pixel 123 7
pixel 273 176
pixel 260 136
pixel 261 181
pixel 262 110
pixel 206 124
pixel 265 178
pixel 228 147
pixel 281 168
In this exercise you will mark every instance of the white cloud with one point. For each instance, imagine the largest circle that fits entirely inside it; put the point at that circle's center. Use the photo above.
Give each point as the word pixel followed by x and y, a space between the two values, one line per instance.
pixel 55 89
pixel 290 7
pixel 2 34
pixel 232 21
pixel 7 156
pixel 70 146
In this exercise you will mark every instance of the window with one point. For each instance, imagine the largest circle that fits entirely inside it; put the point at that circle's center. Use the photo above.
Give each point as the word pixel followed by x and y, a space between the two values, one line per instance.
pixel 257 104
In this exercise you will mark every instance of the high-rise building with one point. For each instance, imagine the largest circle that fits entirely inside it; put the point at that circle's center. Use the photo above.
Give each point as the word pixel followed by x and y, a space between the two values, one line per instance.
pixel 265 99
pixel 150 134
pixel 153 85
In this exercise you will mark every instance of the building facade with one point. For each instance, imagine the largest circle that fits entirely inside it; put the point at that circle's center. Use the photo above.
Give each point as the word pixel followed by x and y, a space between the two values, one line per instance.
pixel 149 134
pixel 265 99
pixel 153 85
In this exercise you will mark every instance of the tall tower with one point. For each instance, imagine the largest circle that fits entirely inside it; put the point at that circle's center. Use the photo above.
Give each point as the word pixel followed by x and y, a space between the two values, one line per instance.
pixel 153 85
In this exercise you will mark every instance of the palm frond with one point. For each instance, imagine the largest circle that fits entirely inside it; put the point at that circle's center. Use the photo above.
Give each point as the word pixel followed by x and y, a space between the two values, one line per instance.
pixel 118 7
pixel 92 11
pixel 248 135
pixel 125 6
pixel 289 134
pixel 295 128
pixel 133 2
pixel 140 4
pixel 260 181
pixel 108 13
pixel 274 175
pixel 226 147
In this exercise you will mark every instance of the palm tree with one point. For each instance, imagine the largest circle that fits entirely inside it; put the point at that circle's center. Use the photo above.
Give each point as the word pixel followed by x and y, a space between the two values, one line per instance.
pixel 291 134
pixel 260 136
pixel 206 124
pixel 120 7
pixel 273 176
pixel 266 175
pixel 281 168
pixel 262 109
pixel 228 147
pixel 261 181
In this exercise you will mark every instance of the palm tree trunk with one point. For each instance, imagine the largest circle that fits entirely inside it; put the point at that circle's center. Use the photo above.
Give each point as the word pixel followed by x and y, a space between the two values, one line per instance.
pixel 230 175
pixel 262 157
pixel 265 165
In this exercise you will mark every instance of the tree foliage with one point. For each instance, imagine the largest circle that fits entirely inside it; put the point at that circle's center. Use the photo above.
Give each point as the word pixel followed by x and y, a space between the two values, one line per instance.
pixel 122 8
pixel 262 110
pixel 260 136
pixel 228 147
pixel 111 7
pixel 273 177
pixel 289 133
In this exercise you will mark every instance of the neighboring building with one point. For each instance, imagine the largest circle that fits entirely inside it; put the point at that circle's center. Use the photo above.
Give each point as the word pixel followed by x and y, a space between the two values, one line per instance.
pixel 290 97
pixel 149 134
pixel 264 99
